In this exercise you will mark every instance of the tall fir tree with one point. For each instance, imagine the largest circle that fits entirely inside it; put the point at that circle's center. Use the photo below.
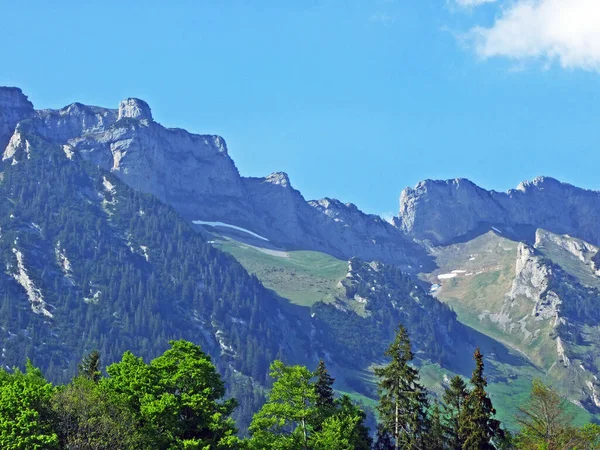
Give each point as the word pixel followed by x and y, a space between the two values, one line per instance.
pixel 454 398
pixel 478 426
pixel 436 439
pixel 324 387
pixel 90 366
pixel 403 400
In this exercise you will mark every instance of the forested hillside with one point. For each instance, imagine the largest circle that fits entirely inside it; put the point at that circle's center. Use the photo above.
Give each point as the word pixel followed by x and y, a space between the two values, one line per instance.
pixel 92 264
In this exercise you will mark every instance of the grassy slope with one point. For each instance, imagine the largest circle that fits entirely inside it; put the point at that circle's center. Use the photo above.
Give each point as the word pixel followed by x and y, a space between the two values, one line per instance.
pixel 303 277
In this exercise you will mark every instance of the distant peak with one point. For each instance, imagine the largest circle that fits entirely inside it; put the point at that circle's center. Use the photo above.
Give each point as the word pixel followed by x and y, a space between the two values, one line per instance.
pixel 134 108
pixel 13 98
pixel 538 182
pixel 279 178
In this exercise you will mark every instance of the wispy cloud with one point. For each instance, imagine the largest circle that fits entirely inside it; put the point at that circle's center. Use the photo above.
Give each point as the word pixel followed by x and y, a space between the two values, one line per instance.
pixel 566 32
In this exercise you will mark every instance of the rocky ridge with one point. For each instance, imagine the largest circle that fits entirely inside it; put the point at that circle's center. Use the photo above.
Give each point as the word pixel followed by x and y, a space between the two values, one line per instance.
pixel 444 211
pixel 195 174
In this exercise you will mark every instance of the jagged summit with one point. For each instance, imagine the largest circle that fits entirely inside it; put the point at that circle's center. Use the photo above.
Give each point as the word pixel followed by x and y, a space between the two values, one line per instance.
pixel 278 178
pixel 13 97
pixel 134 108
pixel 14 107
pixel 443 211
pixel 194 174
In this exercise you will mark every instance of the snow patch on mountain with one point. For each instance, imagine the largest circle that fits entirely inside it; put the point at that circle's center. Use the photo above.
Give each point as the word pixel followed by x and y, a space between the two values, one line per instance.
pixel 227 225
pixel 38 305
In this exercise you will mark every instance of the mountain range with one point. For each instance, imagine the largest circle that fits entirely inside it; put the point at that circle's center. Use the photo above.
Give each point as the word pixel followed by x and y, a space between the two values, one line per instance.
pixel 118 233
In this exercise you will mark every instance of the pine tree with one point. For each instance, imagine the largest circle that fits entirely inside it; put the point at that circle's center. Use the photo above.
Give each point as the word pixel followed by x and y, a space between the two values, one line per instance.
pixel 323 386
pixel 478 426
pixel 90 366
pixel 402 400
pixel 454 398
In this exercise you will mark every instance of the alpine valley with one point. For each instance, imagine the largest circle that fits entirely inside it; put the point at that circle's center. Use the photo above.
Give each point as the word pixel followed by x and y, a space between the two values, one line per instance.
pixel 117 233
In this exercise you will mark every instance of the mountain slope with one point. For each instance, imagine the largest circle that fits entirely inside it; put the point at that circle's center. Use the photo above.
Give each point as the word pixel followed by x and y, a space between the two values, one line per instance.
pixel 98 265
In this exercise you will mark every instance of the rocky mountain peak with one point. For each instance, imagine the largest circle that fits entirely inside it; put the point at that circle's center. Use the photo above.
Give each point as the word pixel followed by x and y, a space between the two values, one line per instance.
pixel 278 178
pixel 13 98
pixel 443 211
pixel 14 107
pixel 540 183
pixel 134 108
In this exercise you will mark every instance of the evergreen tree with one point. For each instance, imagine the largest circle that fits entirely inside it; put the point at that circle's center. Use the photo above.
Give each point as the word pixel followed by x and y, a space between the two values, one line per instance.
pixel 478 427
pixel 454 398
pixel 90 367
pixel 436 439
pixel 323 387
pixel 402 400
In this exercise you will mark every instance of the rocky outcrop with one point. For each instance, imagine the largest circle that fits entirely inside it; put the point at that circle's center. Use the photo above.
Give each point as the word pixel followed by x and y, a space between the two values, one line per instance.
pixel 443 211
pixel 134 108
pixel 195 174
pixel 532 281
pixel 14 107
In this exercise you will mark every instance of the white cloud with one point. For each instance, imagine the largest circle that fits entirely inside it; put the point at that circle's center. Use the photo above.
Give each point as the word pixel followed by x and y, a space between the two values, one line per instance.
pixel 469 3
pixel 563 31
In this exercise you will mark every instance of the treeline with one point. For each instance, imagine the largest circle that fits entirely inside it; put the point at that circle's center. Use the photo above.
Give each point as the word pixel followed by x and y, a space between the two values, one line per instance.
pixel 178 401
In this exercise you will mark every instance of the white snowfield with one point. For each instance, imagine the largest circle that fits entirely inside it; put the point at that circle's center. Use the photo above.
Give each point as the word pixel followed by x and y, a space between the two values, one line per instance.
pixel 446 276
pixel 226 225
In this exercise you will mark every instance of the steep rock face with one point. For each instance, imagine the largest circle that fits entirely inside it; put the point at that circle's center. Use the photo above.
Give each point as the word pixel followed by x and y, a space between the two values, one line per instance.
pixel 72 121
pixel 445 210
pixel 442 210
pixel 195 174
pixel 532 281
pixel 191 172
pixel 14 107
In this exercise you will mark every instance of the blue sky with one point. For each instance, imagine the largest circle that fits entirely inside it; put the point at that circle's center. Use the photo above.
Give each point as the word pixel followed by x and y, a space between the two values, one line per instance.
pixel 354 99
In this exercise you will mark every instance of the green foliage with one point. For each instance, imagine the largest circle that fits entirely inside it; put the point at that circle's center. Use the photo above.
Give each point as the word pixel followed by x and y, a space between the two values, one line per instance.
pixel 25 419
pixel 403 401
pixel 297 417
pixel 546 424
pixel 178 397
pixel 284 421
pixel 91 417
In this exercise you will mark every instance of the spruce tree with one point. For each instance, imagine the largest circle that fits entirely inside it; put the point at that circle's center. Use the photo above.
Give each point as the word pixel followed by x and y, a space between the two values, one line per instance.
pixel 90 366
pixel 436 439
pixel 478 426
pixel 323 387
pixel 402 399
pixel 454 398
